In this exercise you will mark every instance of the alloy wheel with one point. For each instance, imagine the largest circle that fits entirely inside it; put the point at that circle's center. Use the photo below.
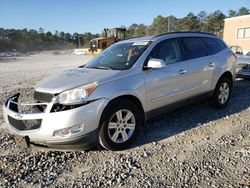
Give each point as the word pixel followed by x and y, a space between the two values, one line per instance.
pixel 121 126
pixel 224 92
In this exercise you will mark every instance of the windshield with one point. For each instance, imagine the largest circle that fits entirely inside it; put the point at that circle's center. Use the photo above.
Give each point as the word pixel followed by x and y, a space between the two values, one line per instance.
pixel 248 54
pixel 119 56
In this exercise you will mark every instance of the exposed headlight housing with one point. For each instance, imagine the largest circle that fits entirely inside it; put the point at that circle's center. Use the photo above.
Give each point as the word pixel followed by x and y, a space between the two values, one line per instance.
pixel 76 96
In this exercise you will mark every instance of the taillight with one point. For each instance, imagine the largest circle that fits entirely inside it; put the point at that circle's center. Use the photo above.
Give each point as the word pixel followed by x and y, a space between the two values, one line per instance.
pixel 234 54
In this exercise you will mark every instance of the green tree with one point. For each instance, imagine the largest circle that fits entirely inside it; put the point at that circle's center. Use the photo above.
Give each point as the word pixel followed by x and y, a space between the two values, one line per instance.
pixel 202 19
pixel 62 35
pixel 215 22
pixel 141 30
pixel 243 11
pixel 188 23
pixel 56 33
pixel 86 37
pixel 68 37
pixel 30 40
pixel 232 13
pixel 40 30
pixel 130 31
pixel 2 34
pixel 160 25
pixel 49 36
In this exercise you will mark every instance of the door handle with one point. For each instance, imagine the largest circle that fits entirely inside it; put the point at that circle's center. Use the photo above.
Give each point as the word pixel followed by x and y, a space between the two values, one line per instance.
pixel 211 65
pixel 182 71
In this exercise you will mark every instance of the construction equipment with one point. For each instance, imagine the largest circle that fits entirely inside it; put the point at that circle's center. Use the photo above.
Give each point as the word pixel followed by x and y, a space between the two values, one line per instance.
pixel 110 36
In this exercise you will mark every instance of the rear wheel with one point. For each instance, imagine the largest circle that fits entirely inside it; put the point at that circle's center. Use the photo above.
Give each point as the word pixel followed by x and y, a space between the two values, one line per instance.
pixel 222 93
pixel 119 125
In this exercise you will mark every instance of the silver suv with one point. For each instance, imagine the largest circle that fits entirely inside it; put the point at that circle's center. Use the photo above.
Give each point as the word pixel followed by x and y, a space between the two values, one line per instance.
pixel 107 100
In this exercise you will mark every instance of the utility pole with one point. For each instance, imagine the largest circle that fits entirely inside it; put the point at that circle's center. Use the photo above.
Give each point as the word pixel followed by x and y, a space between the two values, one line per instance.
pixel 79 43
pixel 169 24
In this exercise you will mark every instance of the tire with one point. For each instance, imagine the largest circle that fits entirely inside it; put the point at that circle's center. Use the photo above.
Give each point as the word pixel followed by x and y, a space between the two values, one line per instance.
pixel 114 127
pixel 222 93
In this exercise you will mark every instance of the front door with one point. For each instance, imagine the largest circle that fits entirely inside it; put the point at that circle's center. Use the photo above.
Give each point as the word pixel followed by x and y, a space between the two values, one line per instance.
pixel 166 85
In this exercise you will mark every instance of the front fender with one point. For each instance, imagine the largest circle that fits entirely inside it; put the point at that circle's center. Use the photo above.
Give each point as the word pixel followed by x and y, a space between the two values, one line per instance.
pixel 127 85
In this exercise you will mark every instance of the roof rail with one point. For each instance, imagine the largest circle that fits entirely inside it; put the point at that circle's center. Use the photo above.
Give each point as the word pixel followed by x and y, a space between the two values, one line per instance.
pixel 176 32
pixel 198 32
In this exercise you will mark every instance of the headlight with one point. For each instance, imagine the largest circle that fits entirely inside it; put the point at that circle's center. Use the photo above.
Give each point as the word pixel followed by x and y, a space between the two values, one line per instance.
pixel 76 96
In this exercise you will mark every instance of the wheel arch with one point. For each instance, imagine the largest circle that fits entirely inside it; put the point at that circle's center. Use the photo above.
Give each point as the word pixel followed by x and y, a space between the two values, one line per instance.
pixel 227 74
pixel 131 98
pixel 214 102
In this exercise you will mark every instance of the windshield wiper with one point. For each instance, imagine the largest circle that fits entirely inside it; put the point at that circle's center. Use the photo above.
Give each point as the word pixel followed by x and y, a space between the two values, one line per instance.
pixel 103 67
pixel 81 66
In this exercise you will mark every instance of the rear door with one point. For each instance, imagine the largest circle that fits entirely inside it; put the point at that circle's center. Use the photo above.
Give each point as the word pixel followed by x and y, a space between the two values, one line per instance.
pixel 201 65
pixel 166 85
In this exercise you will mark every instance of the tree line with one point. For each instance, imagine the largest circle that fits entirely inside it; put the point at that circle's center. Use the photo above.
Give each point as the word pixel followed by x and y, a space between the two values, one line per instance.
pixel 38 40
pixel 25 40
pixel 204 22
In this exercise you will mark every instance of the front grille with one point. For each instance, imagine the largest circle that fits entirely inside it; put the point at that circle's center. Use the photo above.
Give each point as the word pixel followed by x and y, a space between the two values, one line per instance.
pixel 43 97
pixel 25 125
pixel 27 108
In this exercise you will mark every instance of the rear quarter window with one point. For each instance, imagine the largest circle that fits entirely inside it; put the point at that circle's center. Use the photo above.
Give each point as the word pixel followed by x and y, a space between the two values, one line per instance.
pixel 213 45
pixel 194 48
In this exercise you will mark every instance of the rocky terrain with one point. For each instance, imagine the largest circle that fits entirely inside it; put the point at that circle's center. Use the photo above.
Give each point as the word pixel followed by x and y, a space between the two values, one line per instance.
pixel 195 146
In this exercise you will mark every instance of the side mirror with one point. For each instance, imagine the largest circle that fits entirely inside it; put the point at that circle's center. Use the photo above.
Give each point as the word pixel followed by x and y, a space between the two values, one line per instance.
pixel 155 64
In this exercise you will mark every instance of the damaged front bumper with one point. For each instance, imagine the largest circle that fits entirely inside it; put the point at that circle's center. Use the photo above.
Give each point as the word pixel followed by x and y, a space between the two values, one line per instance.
pixel 39 125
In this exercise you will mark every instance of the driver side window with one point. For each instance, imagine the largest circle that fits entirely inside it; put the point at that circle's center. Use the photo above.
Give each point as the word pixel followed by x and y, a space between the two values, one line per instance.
pixel 168 51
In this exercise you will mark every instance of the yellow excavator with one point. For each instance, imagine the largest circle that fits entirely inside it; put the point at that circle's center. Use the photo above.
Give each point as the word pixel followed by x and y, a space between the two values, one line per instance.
pixel 110 36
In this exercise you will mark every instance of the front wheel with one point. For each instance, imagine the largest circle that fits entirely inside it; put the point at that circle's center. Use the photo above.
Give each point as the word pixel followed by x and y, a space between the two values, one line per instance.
pixel 119 125
pixel 222 93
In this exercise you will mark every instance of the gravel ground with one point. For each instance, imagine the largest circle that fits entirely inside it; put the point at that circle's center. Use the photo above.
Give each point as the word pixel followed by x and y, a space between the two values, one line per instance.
pixel 195 146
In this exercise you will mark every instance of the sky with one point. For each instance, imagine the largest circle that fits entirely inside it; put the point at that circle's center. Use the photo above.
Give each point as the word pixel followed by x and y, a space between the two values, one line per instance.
pixel 94 15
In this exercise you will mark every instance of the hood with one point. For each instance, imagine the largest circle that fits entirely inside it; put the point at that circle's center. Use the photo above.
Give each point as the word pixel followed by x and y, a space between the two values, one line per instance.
pixel 74 78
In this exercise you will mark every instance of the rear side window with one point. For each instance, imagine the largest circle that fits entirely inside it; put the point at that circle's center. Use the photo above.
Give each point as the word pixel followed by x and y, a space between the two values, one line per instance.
pixel 194 48
pixel 213 45
pixel 168 51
